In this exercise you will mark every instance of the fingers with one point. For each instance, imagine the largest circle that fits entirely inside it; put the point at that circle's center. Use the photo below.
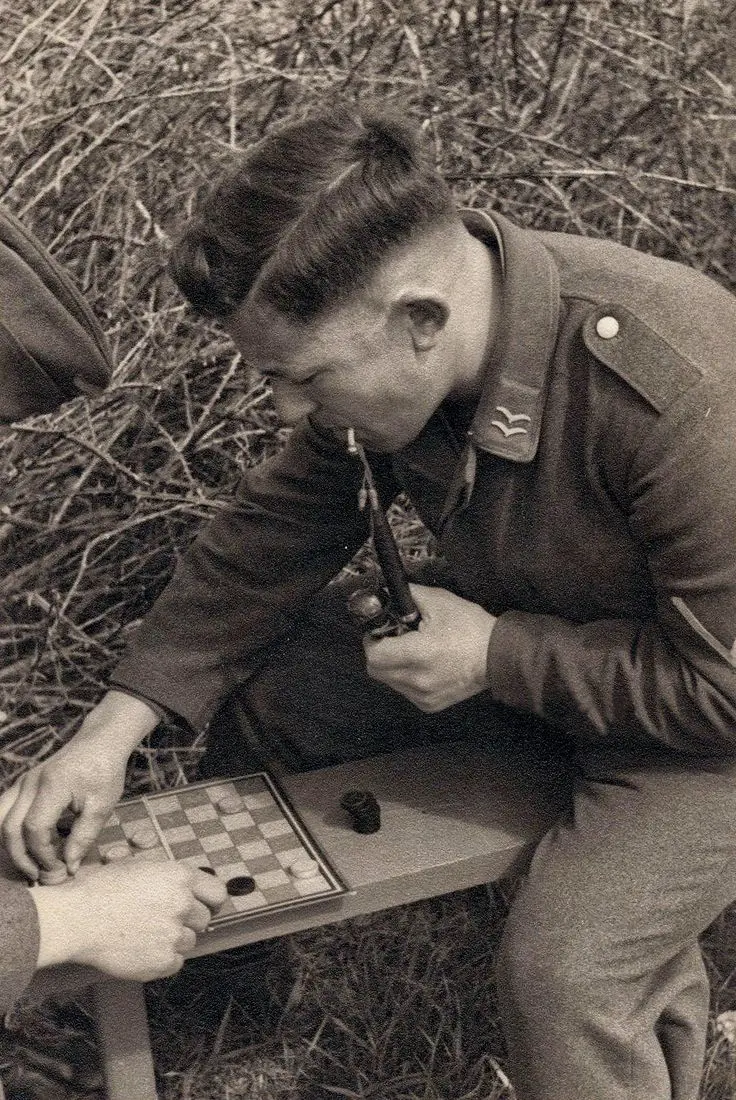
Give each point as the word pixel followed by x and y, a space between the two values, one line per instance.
pixel 425 596
pixel 39 831
pixel 15 805
pixel 186 941
pixel 209 890
pixel 85 830
pixel 164 964
pixel 30 811
pixel 394 649
pixel 197 917
pixel 174 966
pixel 7 800
pixel 394 661
pixel 209 894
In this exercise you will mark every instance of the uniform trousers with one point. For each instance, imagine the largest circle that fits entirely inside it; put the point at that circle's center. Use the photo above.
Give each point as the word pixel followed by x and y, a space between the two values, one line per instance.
pixel 600 977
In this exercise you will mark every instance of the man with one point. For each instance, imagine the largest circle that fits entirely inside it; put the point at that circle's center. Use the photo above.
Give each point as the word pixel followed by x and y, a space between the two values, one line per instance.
pixel 562 412
pixel 127 921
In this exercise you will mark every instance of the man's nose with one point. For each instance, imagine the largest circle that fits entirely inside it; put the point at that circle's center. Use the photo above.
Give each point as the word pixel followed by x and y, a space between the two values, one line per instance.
pixel 292 404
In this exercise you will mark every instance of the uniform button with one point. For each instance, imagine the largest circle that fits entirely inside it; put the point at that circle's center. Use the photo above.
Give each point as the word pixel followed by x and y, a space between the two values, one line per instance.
pixel 607 328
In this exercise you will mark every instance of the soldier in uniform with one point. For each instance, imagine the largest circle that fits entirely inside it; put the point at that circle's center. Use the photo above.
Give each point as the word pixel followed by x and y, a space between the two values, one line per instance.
pixel 562 413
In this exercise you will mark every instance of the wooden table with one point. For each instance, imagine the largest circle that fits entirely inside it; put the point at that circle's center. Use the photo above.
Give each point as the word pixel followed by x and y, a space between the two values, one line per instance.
pixel 453 816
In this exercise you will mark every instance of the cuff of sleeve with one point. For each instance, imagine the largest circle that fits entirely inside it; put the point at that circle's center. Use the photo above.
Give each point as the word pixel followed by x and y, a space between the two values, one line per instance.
pixel 196 707
pixel 161 712
pixel 509 651
pixel 20 941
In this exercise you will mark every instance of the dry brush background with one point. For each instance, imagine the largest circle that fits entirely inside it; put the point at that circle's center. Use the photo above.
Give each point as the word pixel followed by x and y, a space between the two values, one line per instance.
pixel 608 117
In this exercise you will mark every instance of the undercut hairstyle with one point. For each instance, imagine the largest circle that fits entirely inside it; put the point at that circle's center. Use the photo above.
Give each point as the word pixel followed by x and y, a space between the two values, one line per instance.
pixel 306 217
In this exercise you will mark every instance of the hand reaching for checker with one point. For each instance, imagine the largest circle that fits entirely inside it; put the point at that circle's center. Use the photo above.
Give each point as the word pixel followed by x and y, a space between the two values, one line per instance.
pixel 86 776
pixel 30 810
pixel 131 920
pixel 442 662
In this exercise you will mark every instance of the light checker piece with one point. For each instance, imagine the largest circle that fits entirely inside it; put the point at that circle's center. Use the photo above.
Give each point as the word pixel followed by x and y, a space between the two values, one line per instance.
pixel 257 840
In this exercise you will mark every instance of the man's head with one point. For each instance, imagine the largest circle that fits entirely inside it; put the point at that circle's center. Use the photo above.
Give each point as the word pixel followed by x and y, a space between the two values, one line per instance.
pixel 306 217
pixel 336 258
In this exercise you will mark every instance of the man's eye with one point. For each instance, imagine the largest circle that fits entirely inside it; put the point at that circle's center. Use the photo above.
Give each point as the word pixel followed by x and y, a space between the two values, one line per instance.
pixel 276 378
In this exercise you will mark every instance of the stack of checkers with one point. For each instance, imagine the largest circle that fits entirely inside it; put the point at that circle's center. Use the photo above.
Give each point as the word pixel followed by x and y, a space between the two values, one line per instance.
pixel 364 810
pixel 238 830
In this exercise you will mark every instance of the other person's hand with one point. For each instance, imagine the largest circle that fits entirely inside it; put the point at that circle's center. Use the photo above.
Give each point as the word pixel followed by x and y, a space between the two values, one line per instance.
pixel 441 663
pixel 85 777
pixel 133 920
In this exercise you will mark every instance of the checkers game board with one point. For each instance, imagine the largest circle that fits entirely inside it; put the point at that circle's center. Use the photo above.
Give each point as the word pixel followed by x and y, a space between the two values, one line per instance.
pixel 242 830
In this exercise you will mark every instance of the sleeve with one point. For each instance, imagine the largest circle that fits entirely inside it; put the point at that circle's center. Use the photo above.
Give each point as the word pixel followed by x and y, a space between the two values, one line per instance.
pixel 670 678
pixel 294 524
pixel 20 941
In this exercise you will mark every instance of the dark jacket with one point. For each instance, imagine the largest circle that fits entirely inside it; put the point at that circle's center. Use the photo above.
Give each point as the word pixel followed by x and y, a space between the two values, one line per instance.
pixel 592 507
pixel 51 349
pixel 51 345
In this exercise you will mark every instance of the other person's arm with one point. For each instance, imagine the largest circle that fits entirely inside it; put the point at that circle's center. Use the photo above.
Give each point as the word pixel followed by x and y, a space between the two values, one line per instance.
pixel 129 921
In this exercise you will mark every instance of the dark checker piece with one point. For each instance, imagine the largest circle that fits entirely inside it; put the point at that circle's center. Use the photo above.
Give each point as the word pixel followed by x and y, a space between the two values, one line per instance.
pixel 240 885
pixel 355 801
pixel 364 809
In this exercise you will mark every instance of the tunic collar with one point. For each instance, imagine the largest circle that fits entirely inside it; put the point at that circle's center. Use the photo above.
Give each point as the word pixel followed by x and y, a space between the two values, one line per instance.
pixel 508 418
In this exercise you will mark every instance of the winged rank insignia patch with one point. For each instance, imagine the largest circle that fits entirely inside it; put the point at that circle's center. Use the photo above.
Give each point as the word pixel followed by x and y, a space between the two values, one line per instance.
pixel 512 422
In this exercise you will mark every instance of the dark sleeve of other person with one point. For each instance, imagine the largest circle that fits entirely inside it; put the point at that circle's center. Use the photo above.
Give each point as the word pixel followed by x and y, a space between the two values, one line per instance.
pixel 51 349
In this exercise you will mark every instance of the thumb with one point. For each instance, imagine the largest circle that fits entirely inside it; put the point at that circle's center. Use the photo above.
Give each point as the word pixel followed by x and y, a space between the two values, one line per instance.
pixel 85 831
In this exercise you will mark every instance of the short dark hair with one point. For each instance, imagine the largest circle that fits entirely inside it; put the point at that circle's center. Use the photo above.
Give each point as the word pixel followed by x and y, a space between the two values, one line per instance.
pixel 306 216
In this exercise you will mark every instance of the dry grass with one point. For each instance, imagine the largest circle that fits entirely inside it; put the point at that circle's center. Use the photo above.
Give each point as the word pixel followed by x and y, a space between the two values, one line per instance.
pixel 610 117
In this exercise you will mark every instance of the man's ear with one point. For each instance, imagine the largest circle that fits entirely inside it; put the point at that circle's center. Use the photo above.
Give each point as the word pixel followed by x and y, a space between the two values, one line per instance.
pixel 425 315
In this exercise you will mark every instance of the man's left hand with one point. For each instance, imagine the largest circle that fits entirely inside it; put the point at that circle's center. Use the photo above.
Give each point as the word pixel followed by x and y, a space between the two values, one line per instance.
pixel 441 663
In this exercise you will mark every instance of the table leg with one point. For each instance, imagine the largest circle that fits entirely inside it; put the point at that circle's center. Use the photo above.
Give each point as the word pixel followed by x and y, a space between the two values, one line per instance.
pixel 125 1044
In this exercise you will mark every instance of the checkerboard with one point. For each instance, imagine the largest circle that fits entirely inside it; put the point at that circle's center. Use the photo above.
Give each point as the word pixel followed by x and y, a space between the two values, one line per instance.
pixel 263 840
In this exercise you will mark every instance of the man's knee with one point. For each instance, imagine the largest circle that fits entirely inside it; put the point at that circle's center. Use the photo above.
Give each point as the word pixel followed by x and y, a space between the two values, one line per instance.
pixel 545 971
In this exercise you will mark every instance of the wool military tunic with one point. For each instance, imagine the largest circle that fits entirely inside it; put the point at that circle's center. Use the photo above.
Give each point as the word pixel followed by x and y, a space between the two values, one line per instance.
pixel 590 505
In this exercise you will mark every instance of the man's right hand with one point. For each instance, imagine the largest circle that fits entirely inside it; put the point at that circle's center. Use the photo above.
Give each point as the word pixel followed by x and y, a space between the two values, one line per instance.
pixel 86 776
